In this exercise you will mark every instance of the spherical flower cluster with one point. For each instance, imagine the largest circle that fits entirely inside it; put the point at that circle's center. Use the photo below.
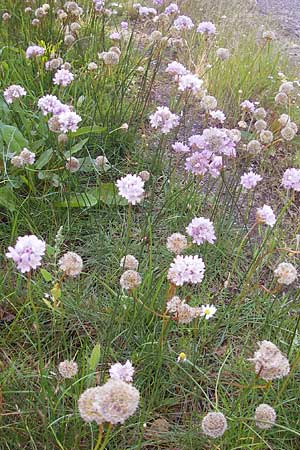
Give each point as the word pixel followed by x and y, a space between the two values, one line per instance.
pixel 265 416
pixel 101 162
pixel 176 69
pixel 49 104
pixel 206 28
pixel 260 125
pixel 129 262
pixel 110 58
pixel 266 216
pixel 68 121
pixel 223 53
pixel 63 77
pixel 164 120
pixel 214 424
pixel 202 162
pixel 72 164
pixel 34 50
pixel 27 253
pixel 68 369
pixel 266 136
pixel 87 406
pixel 183 23
pixel 71 264
pixel 287 87
pixel 144 11
pixel 269 362
pixel 179 147
pixel 131 187
pixel 116 400
pixel 218 115
pixel 260 113
pixel 215 140
pixel 209 102
pixel 248 106
pixel 14 92
pixel 249 180
pixel 288 133
pixel 208 311
pixel 201 230
pixel 172 8
pixel 177 243
pixel 145 175
pixel 254 147
pixel 130 279
pixel 123 372
pixel 25 157
pixel 182 312
pixel 186 269
pixel 281 98
pixel 291 179
pixel 190 83
pixel 286 273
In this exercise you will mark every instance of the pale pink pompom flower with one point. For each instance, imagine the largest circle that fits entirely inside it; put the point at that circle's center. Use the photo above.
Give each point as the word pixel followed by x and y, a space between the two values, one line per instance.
pixel 123 372
pixel 131 187
pixel 186 269
pixel 201 230
pixel 266 216
pixel 68 121
pixel 14 92
pixel 164 120
pixel 63 77
pixel 34 50
pixel 291 179
pixel 249 180
pixel 27 253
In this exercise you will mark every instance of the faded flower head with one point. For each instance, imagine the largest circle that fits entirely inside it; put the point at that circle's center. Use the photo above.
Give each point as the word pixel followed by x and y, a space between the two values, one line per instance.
pixel 130 279
pixel 291 179
pixel 254 147
pixel 266 216
pixel 123 372
pixel 87 406
pixel 269 35
pixel 73 164
pixel 145 175
pixel 266 136
pixel 131 187
pixel 269 362
pixel 201 230
pixel 68 369
pixel 101 162
pixel 286 273
pixel 248 106
pixel 214 424
pixel 181 311
pixel 14 92
pixel 265 416
pixel 206 28
pixel 25 157
pixel 249 180
pixel 129 262
pixel 116 400
pixel 223 53
pixel 71 264
pixel 177 243
pixel 27 253
pixel 186 269
pixel 288 133
pixel 164 120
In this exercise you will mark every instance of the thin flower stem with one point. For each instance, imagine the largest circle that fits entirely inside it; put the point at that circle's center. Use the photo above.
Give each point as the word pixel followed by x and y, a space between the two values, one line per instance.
pixel 107 436
pixel 100 436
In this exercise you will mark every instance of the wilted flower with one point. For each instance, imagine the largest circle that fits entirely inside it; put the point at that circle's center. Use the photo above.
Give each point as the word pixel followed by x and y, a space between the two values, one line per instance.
pixel 254 147
pixel 68 369
pixel 129 262
pixel 206 28
pixel 214 424
pixel 287 87
pixel 260 113
pixel 116 401
pixel 249 180
pixel 209 102
pixel 281 98
pixel 265 416
pixel 223 54
pixel 177 243
pixel 130 279
pixel 183 313
pixel 123 372
pixel 109 58
pixel 269 362
pixel 291 179
pixel 248 106
pixel 201 230
pixel 284 120
pixel 14 92
pixel 269 35
pixel 71 264
pixel 208 311
pixel 87 406
pixel 34 50
pixel 285 273
pixel 131 187
pixel 27 253
pixel 266 136
pixel 266 215
pixel 101 162
pixel 164 120
pixel 260 125
pixel 6 16
pixel 186 269
pixel 92 66
pixel 72 164
pixel 288 133
pixel 145 175
pixel 63 77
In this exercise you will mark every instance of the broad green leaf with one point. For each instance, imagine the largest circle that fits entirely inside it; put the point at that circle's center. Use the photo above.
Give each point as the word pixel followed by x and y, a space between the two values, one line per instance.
pixel 4 110
pixel 107 193
pixel 8 198
pixel 76 148
pixel 88 130
pixel 13 138
pixel 50 250
pixel 44 159
pixel 79 200
pixel 46 275
pixel 95 358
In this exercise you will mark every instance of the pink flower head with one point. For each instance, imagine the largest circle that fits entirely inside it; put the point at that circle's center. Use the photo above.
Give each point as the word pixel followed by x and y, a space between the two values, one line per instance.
pixel 215 166
pixel 179 147
pixel 206 28
pixel 183 23
pixel 201 230
pixel 123 372
pixel 190 83
pixel 49 104
pixel 266 215
pixel 198 163
pixel 13 92
pixel 249 180
pixel 186 269
pixel 68 121
pixel 131 187
pixel 246 105
pixel 27 253
pixel 164 120
pixel 176 69
pixel 34 50
pixel 63 77
pixel 291 179
pixel 172 9
pixel 218 115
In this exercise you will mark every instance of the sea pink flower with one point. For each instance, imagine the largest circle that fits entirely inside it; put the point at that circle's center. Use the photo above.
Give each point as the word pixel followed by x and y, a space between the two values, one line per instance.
pixel 249 180
pixel 13 92
pixel 246 105
pixel 34 50
pixel 266 215
pixel 183 23
pixel 123 372
pixel 49 104
pixel 218 115
pixel 201 230
pixel 186 269
pixel 131 187
pixel 179 147
pixel 206 28
pixel 172 9
pixel 190 83
pixel 164 120
pixel 291 179
pixel 63 77
pixel 27 253
pixel 176 69
pixel 68 121
pixel 198 163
